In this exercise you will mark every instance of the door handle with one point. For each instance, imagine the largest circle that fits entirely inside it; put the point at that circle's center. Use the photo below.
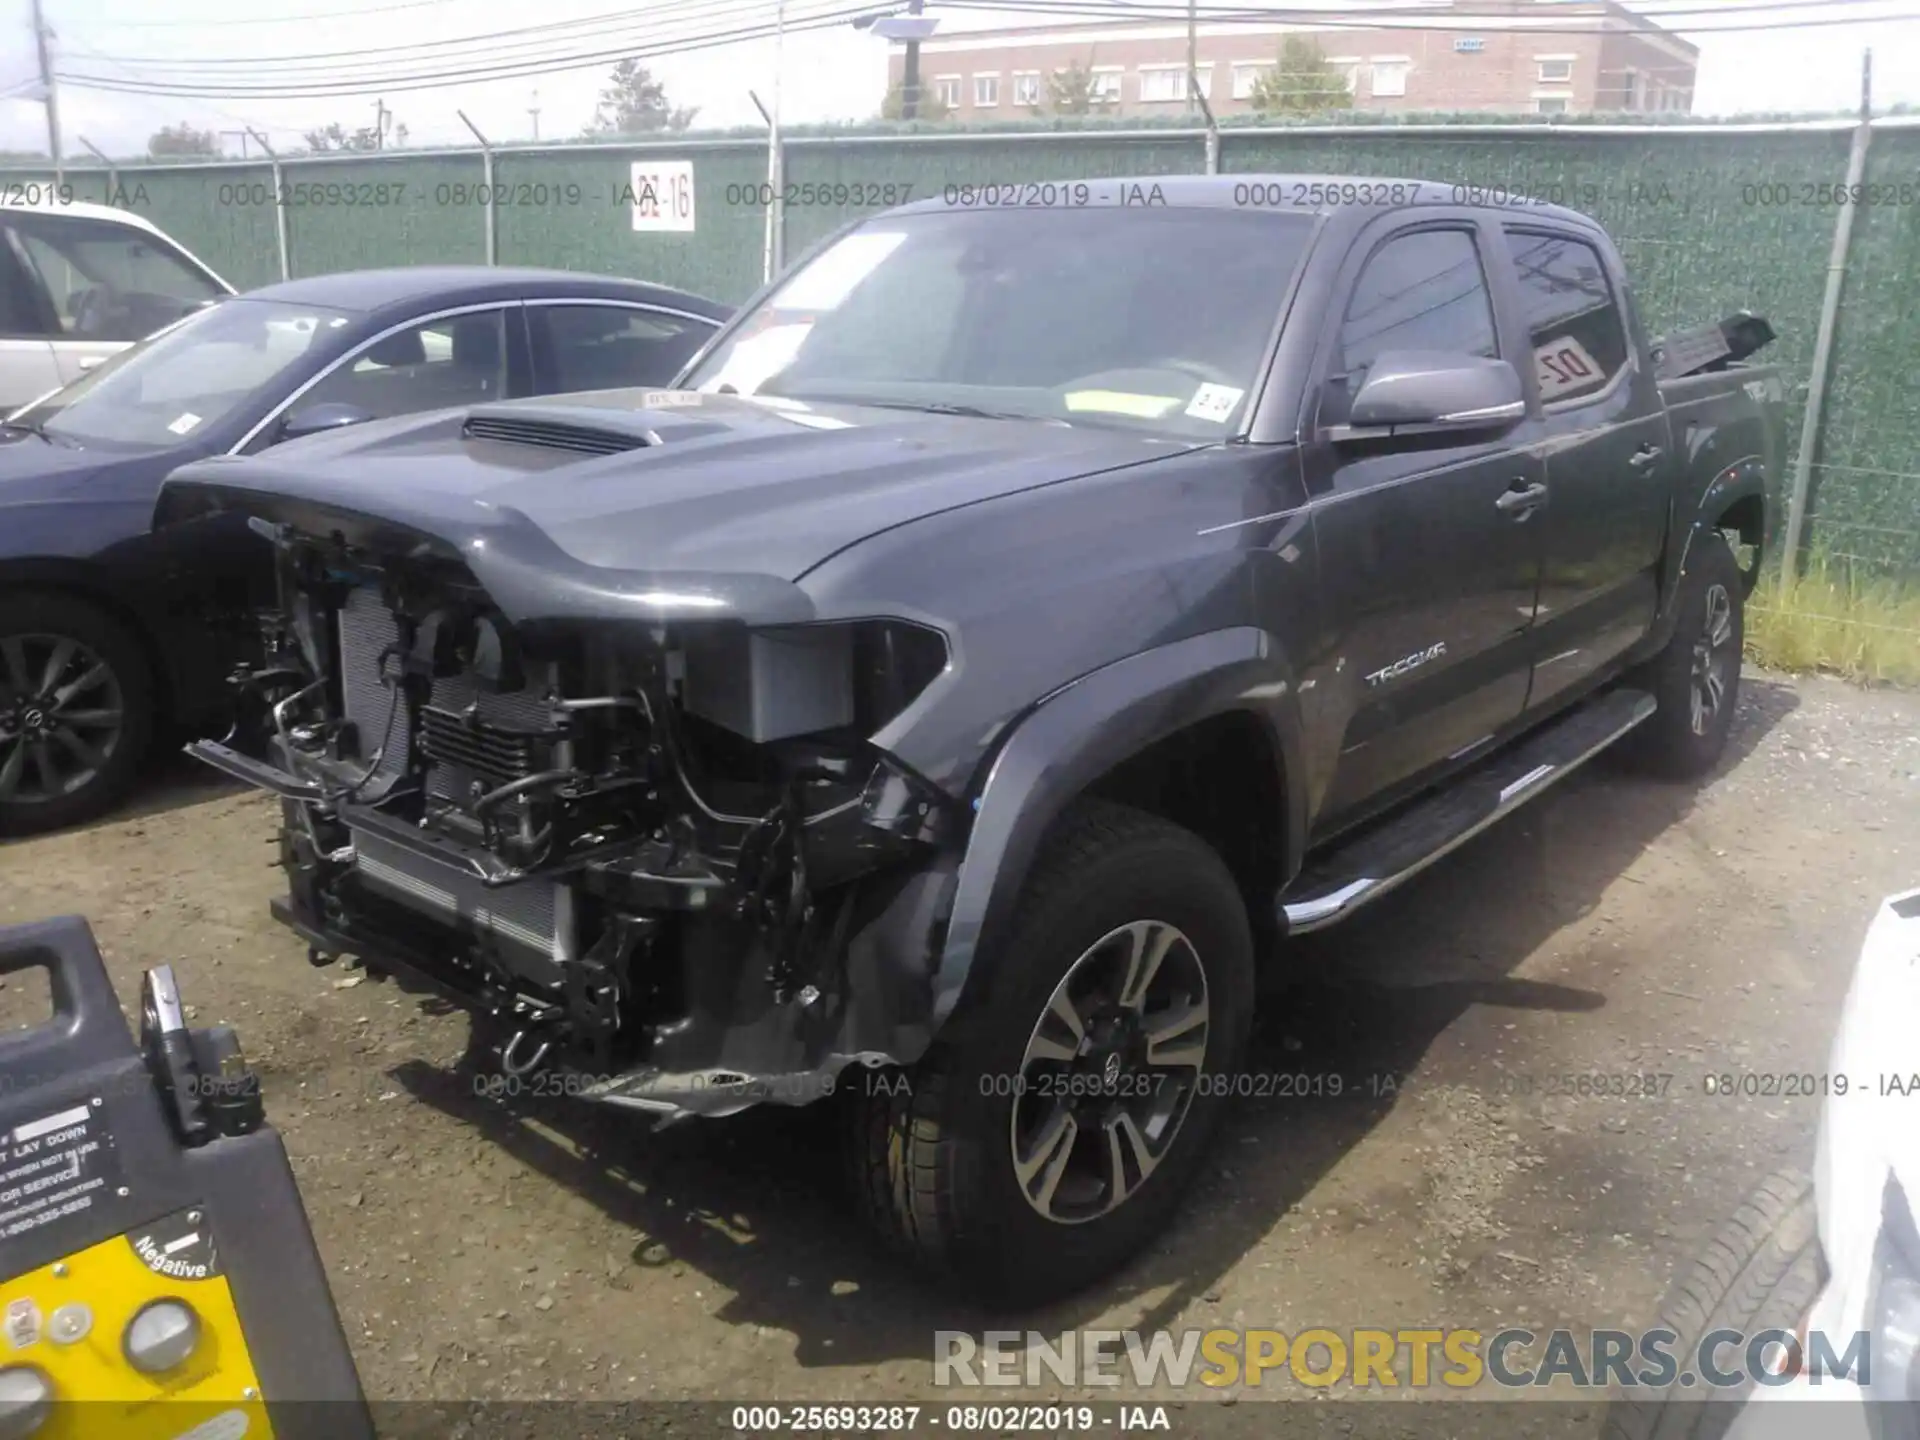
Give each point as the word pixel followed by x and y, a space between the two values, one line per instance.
pixel 1521 500
pixel 1645 456
pixel 92 362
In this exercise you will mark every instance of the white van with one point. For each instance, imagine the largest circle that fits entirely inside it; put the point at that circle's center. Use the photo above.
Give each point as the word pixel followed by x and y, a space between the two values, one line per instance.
pixel 81 282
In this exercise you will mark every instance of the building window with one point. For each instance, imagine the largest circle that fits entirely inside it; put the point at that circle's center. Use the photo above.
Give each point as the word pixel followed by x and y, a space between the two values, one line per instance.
pixel 1636 90
pixel 947 87
pixel 1162 83
pixel 986 90
pixel 1106 85
pixel 1390 77
pixel 1349 68
pixel 1551 105
pixel 1245 77
pixel 1026 87
pixel 1555 69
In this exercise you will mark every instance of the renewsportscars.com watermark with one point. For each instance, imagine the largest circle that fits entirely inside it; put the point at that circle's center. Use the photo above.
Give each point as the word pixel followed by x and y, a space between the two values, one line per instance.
pixel 1398 1359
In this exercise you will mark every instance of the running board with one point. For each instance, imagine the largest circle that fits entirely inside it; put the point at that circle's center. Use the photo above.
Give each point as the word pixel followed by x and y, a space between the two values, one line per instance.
pixel 1333 886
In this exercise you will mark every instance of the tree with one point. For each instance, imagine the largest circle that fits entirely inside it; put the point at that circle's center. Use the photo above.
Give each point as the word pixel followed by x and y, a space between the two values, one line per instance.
pixel 337 137
pixel 1072 91
pixel 1302 83
pixel 183 139
pixel 634 103
pixel 931 106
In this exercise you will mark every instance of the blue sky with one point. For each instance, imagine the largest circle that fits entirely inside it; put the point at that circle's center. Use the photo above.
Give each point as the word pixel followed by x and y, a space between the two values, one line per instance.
pixel 833 74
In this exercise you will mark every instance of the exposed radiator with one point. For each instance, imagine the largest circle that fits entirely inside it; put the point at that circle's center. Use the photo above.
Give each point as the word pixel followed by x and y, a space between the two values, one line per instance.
pixel 367 629
pixel 522 915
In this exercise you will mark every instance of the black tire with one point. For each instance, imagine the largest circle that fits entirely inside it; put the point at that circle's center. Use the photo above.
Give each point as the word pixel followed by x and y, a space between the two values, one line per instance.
pixel 932 1148
pixel 1761 1272
pixel 1673 742
pixel 77 791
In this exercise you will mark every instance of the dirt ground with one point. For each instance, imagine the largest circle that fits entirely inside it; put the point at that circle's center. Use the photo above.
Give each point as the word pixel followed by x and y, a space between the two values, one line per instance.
pixel 1618 925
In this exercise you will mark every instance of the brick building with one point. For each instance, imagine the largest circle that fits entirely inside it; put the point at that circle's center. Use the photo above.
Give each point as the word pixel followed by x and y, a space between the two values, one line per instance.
pixel 1548 57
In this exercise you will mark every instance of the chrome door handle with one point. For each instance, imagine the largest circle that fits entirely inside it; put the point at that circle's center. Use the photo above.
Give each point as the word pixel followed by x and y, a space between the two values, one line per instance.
pixel 1645 456
pixel 1522 502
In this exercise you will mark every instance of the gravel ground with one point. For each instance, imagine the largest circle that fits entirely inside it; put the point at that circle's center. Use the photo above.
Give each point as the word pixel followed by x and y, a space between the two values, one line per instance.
pixel 1617 926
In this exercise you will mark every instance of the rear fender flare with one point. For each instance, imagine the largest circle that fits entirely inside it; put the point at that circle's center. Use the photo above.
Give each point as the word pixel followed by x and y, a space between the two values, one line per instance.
pixel 1745 477
pixel 1079 733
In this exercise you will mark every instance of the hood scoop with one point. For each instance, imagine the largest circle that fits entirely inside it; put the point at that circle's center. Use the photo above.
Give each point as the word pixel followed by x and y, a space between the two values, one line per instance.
pixel 552 434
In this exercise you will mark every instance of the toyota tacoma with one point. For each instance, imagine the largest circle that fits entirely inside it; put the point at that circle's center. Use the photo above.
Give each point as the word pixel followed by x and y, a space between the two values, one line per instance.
pixel 1018 619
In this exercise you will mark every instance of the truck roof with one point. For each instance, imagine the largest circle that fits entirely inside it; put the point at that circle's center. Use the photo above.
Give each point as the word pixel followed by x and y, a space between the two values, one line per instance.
pixel 1297 193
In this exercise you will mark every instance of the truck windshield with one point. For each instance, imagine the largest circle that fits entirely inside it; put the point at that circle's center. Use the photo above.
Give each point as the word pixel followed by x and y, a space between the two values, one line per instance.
pixel 1149 317
pixel 186 377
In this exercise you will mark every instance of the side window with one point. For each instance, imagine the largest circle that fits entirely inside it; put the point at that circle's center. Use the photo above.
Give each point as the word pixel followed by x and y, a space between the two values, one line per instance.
pixel 460 360
pixel 1421 291
pixel 1573 322
pixel 22 306
pixel 605 347
pixel 109 281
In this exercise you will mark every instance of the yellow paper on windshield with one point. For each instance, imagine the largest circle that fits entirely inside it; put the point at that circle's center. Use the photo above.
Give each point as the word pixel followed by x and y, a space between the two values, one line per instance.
pixel 1122 402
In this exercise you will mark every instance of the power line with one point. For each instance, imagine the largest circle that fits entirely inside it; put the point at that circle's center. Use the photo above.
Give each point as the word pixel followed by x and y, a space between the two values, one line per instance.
pixel 1113 11
pixel 602 26
pixel 227 21
pixel 360 84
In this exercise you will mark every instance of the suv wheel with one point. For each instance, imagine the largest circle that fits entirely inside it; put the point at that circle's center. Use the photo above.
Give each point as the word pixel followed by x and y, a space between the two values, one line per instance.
pixel 1760 1272
pixel 76 712
pixel 1696 679
pixel 1051 1130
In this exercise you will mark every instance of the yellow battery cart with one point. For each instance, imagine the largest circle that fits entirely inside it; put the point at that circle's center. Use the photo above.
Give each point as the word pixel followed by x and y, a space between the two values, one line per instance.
pixel 158 1276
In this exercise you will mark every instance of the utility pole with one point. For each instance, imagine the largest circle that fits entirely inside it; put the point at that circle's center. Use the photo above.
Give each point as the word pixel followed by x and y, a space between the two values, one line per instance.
pixel 380 114
pixel 41 34
pixel 1193 49
pixel 533 111
pixel 776 160
pixel 910 72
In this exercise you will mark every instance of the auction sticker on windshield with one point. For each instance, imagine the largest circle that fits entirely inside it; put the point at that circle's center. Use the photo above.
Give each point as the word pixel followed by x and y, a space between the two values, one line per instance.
pixel 1214 402
pixel 185 423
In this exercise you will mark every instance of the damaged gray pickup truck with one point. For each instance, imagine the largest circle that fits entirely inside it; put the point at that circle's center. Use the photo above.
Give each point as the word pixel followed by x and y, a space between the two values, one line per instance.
pixel 1021 617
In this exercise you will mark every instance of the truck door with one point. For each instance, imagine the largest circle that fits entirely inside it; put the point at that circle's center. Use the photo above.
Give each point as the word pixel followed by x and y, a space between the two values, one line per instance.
pixel 1607 452
pixel 1427 548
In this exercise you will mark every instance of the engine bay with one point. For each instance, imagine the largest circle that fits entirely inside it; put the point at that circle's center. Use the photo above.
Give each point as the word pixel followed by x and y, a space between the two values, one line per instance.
pixel 625 842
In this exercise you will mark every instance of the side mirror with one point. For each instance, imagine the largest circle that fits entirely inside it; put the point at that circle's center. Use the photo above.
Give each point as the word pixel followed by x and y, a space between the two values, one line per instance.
pixel 329 415
pixel 1434 390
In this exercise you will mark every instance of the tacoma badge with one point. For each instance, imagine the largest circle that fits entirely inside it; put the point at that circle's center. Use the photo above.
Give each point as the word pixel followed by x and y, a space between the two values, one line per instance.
pixel 1412 662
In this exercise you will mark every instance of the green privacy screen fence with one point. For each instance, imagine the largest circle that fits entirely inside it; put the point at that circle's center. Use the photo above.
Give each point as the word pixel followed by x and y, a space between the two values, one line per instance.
pixel 1711 219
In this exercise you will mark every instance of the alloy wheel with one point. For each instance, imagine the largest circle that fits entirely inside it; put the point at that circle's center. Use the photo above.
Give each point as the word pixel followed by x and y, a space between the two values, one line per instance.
pixel 1110 1072
pixel 62 716
pixel 1711 657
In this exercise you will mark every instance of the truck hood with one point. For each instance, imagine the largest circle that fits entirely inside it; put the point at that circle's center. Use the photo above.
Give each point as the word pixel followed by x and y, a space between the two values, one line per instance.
pixel 712 505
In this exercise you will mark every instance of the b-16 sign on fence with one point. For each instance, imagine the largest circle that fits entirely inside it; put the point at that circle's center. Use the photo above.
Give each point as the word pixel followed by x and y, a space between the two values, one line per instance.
pixel 661 193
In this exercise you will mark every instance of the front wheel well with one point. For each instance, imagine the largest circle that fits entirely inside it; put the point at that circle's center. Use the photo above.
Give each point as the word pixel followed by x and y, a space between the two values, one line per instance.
pixel 78 587
pixel 1747 518
pixel 1219 778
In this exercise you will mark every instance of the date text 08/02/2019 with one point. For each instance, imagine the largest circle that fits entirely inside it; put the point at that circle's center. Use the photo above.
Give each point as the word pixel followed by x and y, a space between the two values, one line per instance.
pixel 1044 1419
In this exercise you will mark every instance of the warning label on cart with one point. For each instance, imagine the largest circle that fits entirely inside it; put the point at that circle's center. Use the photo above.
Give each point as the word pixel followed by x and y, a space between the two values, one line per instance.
pixel 59 1165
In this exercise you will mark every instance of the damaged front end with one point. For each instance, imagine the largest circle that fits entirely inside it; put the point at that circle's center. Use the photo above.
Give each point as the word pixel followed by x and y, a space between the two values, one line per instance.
pixel 660 854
